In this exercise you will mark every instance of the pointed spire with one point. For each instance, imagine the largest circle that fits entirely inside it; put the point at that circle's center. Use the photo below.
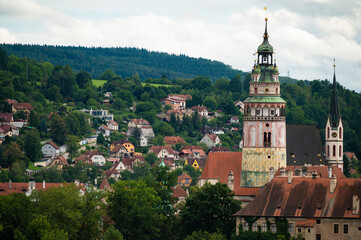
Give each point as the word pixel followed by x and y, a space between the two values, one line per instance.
pixel 334 111
pixel 265 35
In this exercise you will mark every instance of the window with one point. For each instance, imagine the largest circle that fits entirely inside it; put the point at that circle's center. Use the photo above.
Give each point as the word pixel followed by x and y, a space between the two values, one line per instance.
pixel 272 112
pixel 340 132
pixel 299 230
pixel 335 228
pixel 318 236
pixel 258 112
pixel 290 227
pixel 359 228
pixel 345 229
pixel 264 227
pixel 339 151
pixel 318 221
pixel 273 227
pixel 309 230
pixel 334 150
pixel 328 132
pixel 328 151
pixel 254 227
pixel 245 226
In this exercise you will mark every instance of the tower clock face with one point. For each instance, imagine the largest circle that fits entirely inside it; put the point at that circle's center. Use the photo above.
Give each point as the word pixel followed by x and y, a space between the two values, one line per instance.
pixel 266 90
pixel 334 135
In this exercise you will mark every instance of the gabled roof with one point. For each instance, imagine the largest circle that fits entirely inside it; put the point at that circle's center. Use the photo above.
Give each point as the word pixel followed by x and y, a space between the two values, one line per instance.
pixel 121 142
pixel 104 127
pixel 22 187
pixel 108 173
pixel 62 160
pixel 158 149
pixel 114 123
pixel 220 164
pixel 201 162
pixel 183 176
pixel 6 117
pixel 104 184
pixel 200 108
pixel 129 161
pixel 219 149
pixel 213 137
pixel 306 147
pixel 140 121
pixel 173 140
pixel 305 198
pixel 350 156
pixel 23 106
pixel 179 192
pixel 184 96
pixel 117 148
pixel 321 171
pixel 5 128
pixel 52 144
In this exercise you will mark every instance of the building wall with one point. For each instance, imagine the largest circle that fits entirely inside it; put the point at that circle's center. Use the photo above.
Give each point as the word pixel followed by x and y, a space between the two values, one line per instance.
pixel 253 133
pixel 256 163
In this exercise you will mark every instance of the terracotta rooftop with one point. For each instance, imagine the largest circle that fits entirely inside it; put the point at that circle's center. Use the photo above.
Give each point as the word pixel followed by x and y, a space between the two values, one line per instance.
pixel 140 121
pixel 200 108
pixel 104 184
pixel 306 223
pixel 6 117
pixel 23 106
pixel 213 137
pixel 114 123
pixel 305 198
pixel 322 171
pixel 247 191
pixel 350 156
pixel 158 149
pixel 219 164
pixel 22 187
pixel 219 149
pixel 173 140
pixel 179 192
pixel 183 176
pixel 104 127
pixel 53 144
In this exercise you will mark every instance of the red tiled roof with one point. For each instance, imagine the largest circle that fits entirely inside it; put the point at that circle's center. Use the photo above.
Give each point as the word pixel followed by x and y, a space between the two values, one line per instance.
pixel 114 123
pixel 173 140
pixel 179 192
pixel 219 164
pixel 350 155
pixel 158 149
pixel 213 137
pixel 183 96
pixel 104 127
pixel 246 191
pixel 117 148
pixel 104 184
pixel 322 171
pixel 201 162
pixel 140 121
pixel 11 101
pixel 200 108
pixel 61 159
pixel 23 187
pixel 305 197
pixel 23 106
pixel 6 117
pixel 53 144
pixel 183 176
pixel 6 128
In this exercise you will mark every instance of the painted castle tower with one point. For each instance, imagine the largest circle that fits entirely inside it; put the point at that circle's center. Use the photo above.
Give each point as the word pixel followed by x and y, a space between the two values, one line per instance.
pixel 264 122
pixel 334 131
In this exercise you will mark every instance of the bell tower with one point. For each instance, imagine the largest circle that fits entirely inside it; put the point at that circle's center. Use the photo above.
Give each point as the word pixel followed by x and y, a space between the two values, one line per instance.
pixel 334 130
pixel 264 121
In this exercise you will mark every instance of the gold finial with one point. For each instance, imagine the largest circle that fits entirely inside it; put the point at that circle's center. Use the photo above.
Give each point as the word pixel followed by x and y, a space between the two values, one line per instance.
pixel 334 63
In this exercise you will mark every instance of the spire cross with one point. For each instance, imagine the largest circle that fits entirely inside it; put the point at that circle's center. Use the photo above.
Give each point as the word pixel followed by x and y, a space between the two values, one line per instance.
pixel 334 65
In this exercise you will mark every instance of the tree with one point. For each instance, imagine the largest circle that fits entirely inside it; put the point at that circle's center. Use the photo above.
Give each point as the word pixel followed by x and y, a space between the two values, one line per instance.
pixel 151 158
pixel 107 75
pixel 112 234
pixel 43 126
pixel 137 133
pixel 133 206
pixel 205 236
pixel 40 228
pixel 17 171
pixel 72 145
pixel 100 139
pixel 83 79
pixel 210 208
pixel 34 119
pixel 12 153
pixel 159 140
pixel 163 128
pixel 57 129
pixel 31 144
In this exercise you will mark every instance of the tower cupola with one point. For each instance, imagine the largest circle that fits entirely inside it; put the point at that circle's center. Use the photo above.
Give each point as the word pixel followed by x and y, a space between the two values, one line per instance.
pixel 265 50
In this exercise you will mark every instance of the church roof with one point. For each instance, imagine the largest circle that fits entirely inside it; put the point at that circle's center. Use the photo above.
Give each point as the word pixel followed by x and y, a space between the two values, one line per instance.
pixel 266 99
pixel 334 114
pixel 304 142
pixel 265 46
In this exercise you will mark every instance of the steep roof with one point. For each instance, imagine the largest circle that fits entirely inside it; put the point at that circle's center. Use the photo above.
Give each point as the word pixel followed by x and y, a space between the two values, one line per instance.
pixel 213 137
pixel 104 184
pixel 104 127
pixel 6 117
pixel 183 176
pixel 23 106
pixel 219 164
pixel 200 108
pixel 305 198
pixel 179 192
pixel 306 147
pixel 53 144
pixel 350 156
pixel 173 140
pixel 158 149
pixel 114 123
pixel 201 162
pixel 140 121
pixel 322 171
pixel 22 187
pixel 120 142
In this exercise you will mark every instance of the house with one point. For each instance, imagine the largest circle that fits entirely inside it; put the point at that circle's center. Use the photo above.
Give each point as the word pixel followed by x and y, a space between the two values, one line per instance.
pixel 6 118
pixel 350 156
pixel 239 105
pixel 166 162
pixel 234 119
pixel 8 131
pixel 91 157
pixel 225 167
pixel 131 162
pixel 211 140
pixel 128 145
pixel 108 95
pixel 202 110
pixel 219 149
pixel 175 102
pixel 104 185
pixel 191 151
pixel 50 149
pixel 197 163
pixel 59 162
pixel 19 123
pixel 184 180
pixel 104 130
pixel 234 129
pixel 172 141
pixel 139 123
pixel 106 102
pixel 214 130
pixel 179 194
pixel 119 151
pixel 25 107
pixel 146 131
pixel 115 170
pixel 112 125
pixel 240 145
pixel 315 207
pixel 102 114
pixel 25 187
pixel 163 152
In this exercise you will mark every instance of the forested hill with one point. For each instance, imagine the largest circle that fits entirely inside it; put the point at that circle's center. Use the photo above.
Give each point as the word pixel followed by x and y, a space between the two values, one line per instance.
pixel 123 61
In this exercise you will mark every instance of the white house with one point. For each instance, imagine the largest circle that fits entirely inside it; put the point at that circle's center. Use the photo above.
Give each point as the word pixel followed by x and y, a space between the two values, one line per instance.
pixel 112 125
pixel 98 160
pixel 104 130
pixel 50 149
pixel 211 140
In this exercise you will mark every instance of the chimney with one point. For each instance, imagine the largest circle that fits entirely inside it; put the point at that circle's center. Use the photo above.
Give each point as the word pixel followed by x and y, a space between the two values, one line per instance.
pixel 355 205
pixel 283 172
pixel 271 173
pixel 10 183
pixel 290 175
pixel 44 184
pixel 231 180
pixel 333 183
pixel 329 172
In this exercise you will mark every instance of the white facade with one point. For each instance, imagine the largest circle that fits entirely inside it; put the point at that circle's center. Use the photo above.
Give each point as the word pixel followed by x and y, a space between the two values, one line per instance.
pixel 98 160
pixel 49 149
pixel 334 144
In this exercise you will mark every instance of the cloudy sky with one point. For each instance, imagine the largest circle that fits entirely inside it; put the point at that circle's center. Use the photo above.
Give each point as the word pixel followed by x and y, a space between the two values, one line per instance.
pixel 306 34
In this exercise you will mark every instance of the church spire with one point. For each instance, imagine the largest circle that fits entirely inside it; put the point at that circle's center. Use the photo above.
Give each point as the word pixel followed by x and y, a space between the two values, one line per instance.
pixel 334 111
pixel 265 50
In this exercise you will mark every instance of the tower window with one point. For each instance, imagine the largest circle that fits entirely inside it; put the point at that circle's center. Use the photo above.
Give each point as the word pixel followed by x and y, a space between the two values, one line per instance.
pixel 340 132
pixel 255 91
pixel 328 132
pixel 334 150
pixel 328 151
pixel 339 151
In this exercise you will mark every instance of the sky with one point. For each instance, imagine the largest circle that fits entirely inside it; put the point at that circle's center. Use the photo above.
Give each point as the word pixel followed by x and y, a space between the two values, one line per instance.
pixel 305 34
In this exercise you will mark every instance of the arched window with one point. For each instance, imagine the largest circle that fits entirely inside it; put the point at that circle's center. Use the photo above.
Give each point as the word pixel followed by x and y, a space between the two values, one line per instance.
pixel 328 132
pixel 328 150
pixel 255 91
pixel 340 132
pixel 334 151
pixel 269 139
pixel 276 90
pixel 339 151
pixel 265 139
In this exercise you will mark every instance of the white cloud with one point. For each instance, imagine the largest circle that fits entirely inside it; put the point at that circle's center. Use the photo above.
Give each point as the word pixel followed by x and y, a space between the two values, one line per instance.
pixel 7 37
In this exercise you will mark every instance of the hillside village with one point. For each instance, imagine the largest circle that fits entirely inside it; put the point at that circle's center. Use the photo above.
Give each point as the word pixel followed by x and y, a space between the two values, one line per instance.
pixel 178 146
